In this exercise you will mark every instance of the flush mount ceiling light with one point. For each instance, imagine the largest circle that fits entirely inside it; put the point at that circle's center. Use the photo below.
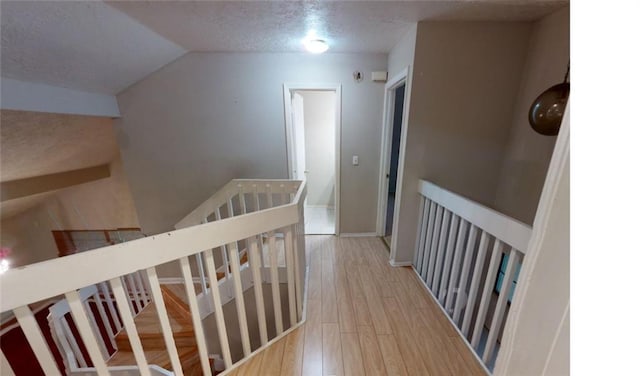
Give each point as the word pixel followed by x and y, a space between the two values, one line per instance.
pixel 316 46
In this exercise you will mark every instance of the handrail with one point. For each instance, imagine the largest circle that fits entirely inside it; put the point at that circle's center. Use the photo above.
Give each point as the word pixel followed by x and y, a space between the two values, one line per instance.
pixel 221 196
pixel 467 256
pixel 509 230
pixel 18 288
pixel 195 237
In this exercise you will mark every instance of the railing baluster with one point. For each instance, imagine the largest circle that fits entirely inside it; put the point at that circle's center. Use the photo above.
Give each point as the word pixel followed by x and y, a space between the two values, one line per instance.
pixel 134 291
pixel 36 340
pixel 434 246
pixel 489 283
pixel 275 282
pixel 217 306
pixel 297 271
pixel 61 340
pixel 130 326
pixel 422 229
pixel 464 274
pixel 128 291
pixel 203 278
pixel 289 262
pixel 105 322
pixel 241 198
pixel 96 330
pixel 141 288
pixel 427 242
pixel 441 248
pixel 501 305
pixel 269 196
pixel 254 263
pixel 89 337
pixel 112 310
pixel 456 265
pixel 225 260
pixel 475 283
pixel 239 297
pixel 156 293
pixel 5 367
pixel 195 315
pixel 73 343
pixel 446 269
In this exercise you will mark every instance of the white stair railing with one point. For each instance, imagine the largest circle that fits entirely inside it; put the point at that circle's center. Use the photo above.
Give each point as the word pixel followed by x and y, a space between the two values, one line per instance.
pixel 468 257
pixel 277 208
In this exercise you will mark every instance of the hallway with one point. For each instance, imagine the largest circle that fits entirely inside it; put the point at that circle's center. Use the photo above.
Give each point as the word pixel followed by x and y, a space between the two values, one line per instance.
pixel 364 317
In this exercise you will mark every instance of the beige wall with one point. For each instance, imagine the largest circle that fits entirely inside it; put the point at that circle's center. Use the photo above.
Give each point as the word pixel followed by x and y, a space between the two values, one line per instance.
pixel 536 339
pixel 320 146
pixel 528 153
pixel 105 203
pixel 465 79
pixel 206 118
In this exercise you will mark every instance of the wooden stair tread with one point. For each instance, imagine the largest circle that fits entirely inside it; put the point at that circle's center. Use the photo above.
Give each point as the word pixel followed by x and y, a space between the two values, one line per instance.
pixel 147 321
pixel 157 357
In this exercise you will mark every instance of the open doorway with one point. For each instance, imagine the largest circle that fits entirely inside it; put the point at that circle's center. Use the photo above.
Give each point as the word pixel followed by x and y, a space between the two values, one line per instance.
pixel 312 115
pixel 398 105
pixel 392 150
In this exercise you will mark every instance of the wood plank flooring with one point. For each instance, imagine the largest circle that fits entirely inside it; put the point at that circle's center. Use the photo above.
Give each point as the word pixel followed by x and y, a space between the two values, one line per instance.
pixel 365 317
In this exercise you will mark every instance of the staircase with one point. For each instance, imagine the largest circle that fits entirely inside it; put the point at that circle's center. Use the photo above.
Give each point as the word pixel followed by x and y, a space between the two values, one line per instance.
pixel 152 339
pixel 248 233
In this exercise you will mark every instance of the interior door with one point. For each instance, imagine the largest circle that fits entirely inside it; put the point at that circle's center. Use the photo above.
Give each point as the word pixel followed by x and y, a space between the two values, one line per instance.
pixel 299 167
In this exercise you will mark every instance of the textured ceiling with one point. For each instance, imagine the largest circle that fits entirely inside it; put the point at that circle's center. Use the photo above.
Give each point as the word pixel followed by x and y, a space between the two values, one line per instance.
pixel 82 45
pixel 105 47
pixel 276 26
pixel 37 143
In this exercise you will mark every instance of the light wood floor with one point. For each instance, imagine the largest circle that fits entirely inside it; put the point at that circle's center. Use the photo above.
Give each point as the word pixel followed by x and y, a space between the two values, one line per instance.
pixel 364 317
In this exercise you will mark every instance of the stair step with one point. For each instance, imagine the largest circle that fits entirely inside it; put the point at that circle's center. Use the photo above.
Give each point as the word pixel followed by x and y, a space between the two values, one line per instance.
pixel 188 358
pixel 150 331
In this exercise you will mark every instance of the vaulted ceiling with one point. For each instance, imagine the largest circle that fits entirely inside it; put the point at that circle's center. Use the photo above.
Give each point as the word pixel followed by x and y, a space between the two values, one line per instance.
pixel 107 46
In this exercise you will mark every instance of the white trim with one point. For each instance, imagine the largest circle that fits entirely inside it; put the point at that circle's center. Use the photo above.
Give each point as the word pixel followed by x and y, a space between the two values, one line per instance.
pixel 507 229
pixel 399 264
pixel 28 96
pixel 385 155
pixel 358 234
pixel 288 89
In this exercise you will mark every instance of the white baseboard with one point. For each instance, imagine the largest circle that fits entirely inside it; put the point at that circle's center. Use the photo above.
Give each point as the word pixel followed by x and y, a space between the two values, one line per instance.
pixel 398 264
pixel 320 206
pixel 357 234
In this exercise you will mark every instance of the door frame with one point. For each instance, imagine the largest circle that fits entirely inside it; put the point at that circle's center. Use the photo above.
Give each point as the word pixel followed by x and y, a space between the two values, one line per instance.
pixel 288 89
pixel 385 154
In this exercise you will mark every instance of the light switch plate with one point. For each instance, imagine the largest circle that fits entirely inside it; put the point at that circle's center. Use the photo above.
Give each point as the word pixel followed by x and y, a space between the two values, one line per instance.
pixel 355 160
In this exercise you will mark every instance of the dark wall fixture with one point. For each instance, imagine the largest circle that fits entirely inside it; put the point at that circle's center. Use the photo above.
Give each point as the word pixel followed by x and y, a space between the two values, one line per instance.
pixel 545 114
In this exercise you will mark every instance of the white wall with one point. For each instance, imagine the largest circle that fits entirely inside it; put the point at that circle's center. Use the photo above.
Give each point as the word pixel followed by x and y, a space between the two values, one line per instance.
pixel 528 153
pixel 206 118
pixel 320 146
pixel 28 96
pixel 465 79
pixel 403 52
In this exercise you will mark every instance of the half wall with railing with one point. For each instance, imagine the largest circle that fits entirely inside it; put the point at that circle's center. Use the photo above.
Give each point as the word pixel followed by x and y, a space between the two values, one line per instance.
pixel 249 227
pixel 468 256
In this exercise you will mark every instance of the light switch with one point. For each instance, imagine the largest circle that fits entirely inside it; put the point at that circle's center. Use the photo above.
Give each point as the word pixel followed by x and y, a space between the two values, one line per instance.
pixel 355 160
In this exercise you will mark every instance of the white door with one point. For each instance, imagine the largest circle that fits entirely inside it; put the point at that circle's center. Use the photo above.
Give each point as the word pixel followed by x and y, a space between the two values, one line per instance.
pixel 299 167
